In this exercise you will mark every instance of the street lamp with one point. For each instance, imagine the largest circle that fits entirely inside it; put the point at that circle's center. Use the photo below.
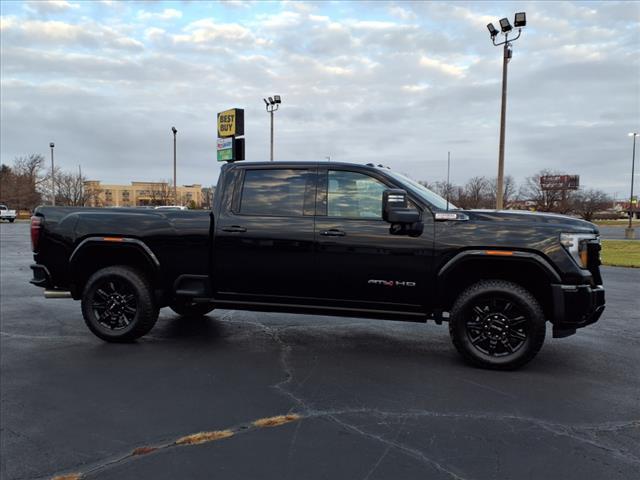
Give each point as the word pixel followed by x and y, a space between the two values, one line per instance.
pixel 53 177
pixel 272 105
pixel 175 186
pixel 629 233
pixel 519 21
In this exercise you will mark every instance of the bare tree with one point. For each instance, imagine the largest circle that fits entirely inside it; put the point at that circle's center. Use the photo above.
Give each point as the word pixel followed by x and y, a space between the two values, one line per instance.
pixel 475 193
pixel 508 195
pixel 587 202
pixel 161 193
pixel 93 195
pixel 19 185
pixel 70 190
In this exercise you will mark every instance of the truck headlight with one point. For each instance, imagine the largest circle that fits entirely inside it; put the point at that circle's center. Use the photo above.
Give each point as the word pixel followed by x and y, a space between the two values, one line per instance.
pixel 576 244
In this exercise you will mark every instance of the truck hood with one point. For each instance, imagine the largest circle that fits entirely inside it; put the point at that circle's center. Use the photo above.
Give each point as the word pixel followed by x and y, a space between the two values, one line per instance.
pixel 521 217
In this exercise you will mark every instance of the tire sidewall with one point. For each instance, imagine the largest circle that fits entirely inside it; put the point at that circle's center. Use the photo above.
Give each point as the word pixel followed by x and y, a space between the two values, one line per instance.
pixel 525 301
pixel 144 304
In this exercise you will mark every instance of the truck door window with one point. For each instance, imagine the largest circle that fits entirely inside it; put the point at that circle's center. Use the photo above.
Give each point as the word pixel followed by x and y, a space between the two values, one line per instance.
pixel 275 192
pixel 354 195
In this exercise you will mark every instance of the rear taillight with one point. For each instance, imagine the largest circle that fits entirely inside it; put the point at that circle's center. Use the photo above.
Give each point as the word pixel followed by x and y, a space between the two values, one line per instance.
pixel 36 228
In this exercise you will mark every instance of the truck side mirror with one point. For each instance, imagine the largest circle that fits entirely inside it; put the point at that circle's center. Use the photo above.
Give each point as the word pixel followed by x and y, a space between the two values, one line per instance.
pixel 394 207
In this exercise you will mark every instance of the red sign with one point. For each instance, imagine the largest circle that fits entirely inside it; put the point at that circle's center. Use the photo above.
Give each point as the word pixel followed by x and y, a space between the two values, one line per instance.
pixel 560 182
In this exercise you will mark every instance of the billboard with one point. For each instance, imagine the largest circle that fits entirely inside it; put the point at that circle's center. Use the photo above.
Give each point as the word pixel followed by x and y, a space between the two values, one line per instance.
pixel 560 182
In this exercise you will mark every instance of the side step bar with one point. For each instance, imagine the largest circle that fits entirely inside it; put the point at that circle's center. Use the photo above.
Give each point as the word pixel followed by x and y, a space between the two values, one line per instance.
pixel 57 294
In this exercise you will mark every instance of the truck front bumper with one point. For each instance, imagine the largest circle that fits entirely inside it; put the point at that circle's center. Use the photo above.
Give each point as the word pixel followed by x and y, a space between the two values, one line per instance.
pixel 575 306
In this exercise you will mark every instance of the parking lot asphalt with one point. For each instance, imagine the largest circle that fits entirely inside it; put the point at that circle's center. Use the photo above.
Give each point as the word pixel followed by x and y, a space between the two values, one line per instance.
pixel 344 398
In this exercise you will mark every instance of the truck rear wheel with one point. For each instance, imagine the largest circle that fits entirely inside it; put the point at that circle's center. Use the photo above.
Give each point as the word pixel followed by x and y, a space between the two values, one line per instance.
pixel 497 324
pixel 187 308
pixel 118 304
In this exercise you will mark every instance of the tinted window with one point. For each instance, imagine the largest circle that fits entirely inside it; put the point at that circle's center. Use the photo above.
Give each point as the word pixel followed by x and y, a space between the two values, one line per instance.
pixel 354 195
pixel 277 192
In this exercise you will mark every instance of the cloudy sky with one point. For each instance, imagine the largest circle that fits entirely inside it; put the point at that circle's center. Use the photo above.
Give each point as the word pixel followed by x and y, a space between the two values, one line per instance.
pixel 397 83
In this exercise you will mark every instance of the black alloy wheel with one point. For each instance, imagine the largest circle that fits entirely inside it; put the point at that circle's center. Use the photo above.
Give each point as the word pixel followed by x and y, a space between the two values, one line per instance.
pixel 114 303
pixel 497 324
pixel 118 304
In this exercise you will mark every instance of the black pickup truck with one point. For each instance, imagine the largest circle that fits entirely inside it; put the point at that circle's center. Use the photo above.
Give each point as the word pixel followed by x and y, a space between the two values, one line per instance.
pixel 328 238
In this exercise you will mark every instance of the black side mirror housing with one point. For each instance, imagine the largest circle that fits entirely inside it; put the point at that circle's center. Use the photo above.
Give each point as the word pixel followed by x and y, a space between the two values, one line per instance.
pixel 395 207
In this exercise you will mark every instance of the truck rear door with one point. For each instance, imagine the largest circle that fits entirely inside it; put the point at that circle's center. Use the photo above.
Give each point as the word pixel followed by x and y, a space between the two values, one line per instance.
pixel 264 241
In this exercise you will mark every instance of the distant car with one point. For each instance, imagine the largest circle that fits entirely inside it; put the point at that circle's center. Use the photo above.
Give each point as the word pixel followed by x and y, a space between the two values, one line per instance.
pixel 6 214
pixel 172 207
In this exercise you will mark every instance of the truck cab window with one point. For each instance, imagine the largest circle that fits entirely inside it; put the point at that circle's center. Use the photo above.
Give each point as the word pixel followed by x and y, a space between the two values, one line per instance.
pixel 275 192
pixel 354 195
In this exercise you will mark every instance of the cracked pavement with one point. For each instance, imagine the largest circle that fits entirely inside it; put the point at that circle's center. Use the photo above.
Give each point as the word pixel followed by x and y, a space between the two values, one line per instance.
pixel 376 399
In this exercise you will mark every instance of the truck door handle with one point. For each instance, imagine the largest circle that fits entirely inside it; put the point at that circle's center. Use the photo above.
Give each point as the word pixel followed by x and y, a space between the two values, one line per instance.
pixel 334 232
pixel 234 228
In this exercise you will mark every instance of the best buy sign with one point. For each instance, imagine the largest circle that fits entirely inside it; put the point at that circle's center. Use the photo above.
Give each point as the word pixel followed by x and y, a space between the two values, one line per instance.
pixel 231 123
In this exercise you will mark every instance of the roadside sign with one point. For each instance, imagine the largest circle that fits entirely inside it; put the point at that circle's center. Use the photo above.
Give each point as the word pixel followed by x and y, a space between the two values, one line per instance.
pixel 225 149
pixel 231 123
pixel 560 182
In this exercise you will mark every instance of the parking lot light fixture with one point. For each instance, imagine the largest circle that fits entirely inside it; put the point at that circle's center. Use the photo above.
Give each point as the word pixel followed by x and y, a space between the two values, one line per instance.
pixel 505 25
pixel 272 105
pixel 175 185
pixel 520 21
pixel 53 177
pixel 629 232
pixel 493 31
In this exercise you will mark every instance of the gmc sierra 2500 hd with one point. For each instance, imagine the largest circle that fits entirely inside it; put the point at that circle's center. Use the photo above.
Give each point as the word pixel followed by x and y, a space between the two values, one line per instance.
pixel 337 239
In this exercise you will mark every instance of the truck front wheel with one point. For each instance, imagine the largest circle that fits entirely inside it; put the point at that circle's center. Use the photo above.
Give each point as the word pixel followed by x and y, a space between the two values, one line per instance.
pixel 118 304
pixel 497 324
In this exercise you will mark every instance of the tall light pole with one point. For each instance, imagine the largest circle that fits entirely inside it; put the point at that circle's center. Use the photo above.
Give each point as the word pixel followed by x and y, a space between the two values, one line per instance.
pixel 519 21
pixel 629 233
pixel 272 105
pixel 175 185
pixel 53 177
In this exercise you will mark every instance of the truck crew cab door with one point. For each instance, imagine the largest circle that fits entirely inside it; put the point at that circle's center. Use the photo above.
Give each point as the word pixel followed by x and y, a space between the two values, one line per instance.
pixel 361 263
pixel 263 248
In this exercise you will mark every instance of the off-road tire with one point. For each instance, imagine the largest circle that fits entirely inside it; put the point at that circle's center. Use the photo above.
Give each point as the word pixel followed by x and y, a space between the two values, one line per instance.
pixel 466 314
pixel 134 284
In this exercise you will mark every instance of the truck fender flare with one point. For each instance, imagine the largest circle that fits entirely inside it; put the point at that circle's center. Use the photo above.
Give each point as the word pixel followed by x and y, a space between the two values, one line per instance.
pixel 508 255
pixel 127 242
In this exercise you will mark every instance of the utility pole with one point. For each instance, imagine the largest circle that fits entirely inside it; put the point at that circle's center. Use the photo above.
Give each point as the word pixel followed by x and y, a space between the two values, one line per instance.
pixel 53 177
pixel 519 21
pixel 175 185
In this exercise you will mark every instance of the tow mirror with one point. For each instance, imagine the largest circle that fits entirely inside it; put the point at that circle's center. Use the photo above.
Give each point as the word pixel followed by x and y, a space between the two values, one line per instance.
pixel 394 207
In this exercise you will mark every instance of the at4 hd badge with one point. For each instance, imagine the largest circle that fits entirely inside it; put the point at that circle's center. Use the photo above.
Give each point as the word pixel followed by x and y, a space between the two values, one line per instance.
pixel 392 283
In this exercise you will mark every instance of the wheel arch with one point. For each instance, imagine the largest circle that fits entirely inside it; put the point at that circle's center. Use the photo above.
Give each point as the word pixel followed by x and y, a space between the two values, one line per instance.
pixel 527 269
pixel 94 253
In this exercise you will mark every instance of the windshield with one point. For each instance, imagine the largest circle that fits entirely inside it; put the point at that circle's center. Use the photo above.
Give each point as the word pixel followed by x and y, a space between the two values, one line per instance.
pixel 423 192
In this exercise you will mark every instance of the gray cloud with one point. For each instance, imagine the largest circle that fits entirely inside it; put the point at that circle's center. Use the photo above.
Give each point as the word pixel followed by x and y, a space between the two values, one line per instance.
pixel 420 80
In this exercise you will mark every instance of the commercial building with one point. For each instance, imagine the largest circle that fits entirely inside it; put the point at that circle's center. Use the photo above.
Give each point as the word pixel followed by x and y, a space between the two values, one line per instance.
pixel 142 194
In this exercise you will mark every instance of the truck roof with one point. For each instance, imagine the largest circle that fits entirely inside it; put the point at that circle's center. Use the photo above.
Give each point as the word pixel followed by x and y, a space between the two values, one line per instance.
pixel 307 163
